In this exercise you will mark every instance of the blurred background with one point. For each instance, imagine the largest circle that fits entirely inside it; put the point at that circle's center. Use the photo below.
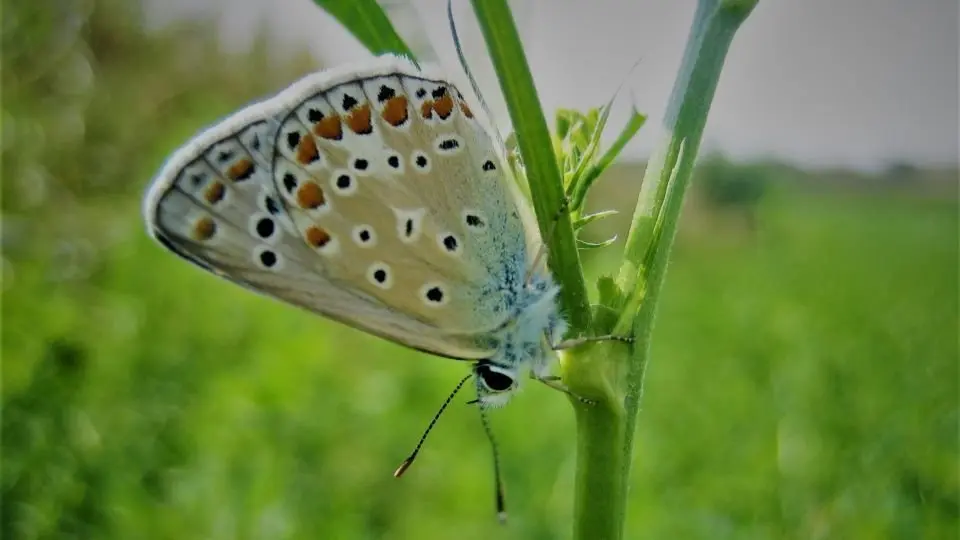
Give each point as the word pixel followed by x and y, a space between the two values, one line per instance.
pixel 804 381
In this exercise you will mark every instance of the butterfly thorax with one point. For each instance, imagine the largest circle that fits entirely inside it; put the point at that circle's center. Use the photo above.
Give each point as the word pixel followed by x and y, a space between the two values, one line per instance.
pixel 525 341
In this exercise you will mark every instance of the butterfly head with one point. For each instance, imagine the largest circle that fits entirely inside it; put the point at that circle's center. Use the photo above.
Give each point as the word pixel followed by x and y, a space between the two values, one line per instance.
pixel 522 344
pixel 495 383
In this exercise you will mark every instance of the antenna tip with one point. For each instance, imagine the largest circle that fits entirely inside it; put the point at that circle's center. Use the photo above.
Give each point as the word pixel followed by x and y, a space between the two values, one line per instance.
pixel 502 517
pixel 403 467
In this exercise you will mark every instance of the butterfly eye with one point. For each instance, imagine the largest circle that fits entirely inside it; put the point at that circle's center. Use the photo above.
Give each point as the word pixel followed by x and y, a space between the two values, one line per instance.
pixel 493 379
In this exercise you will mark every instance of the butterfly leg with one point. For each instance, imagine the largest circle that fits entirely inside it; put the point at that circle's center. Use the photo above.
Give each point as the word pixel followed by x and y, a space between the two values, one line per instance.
pixel 576 342
pixel 554 382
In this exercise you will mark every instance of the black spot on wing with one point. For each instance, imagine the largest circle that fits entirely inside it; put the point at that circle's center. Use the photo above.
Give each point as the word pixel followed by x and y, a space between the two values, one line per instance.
pixel 385 93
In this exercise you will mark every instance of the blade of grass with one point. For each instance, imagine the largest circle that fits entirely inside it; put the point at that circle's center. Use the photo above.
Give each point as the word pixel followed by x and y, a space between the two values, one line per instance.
pixel 590 218
pixel 367 21
pixel 536 147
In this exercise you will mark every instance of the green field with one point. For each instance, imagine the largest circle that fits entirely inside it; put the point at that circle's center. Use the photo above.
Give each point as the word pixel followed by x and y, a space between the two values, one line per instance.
pixel 804 381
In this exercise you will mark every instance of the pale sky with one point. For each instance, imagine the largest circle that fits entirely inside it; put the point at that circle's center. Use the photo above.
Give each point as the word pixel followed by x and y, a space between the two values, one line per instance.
pixel 856 83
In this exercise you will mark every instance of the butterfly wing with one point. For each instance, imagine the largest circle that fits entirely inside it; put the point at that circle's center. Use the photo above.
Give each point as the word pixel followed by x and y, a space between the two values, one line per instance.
pixel 369 195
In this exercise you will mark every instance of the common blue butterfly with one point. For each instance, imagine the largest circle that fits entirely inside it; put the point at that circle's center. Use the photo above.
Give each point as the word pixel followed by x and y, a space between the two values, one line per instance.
pixel 372 195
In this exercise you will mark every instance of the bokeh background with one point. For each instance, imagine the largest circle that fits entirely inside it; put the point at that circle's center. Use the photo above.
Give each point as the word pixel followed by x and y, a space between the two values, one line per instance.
pixel 804 381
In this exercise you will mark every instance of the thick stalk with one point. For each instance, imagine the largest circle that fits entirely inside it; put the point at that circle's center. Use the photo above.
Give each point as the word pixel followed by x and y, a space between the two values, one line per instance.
pixel 605 434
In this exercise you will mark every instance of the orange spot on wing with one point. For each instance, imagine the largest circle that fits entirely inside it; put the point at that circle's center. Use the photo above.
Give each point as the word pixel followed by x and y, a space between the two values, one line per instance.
pixel 444 106
pixel 466 110
pixel 329 128
pixel 204 228
pixel 426 109
pixel 359 120
pixel 395 111
pixel 307 150
pixel 214 193
pixel 316 236
pixel 241 170
pixel 310 196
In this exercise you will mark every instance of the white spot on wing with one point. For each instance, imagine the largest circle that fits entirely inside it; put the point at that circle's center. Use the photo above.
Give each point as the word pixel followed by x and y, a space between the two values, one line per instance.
pixel 421 162
pixel 364 236
pixel 263 256
pixel 409 224
pixel 361 165
pixel 430 292
pixel 343 183
pixel 331 248
pixel 377 270
pixel 394 163
pixel 255 227
pixel 450 243
pixel 449 144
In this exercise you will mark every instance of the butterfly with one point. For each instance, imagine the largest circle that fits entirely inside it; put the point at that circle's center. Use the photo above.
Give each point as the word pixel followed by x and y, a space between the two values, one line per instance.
pixel 372 195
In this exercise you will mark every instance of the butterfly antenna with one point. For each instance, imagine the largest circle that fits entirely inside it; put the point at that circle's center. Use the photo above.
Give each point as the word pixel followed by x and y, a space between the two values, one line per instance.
pixel 501 504
pixel 413 455
pixel 473 81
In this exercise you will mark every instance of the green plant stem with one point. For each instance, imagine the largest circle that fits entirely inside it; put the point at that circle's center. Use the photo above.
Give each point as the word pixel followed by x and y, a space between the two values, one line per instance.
pixel 599 429
pixel 536 147
pixel 600 483
pixel 605 435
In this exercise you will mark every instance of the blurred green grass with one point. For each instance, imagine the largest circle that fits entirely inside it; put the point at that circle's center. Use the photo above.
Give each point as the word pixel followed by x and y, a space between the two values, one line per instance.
pixel 804 381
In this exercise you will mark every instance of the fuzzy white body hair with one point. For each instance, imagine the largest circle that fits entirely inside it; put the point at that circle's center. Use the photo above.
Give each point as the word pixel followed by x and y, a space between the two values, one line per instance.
pixel 526 343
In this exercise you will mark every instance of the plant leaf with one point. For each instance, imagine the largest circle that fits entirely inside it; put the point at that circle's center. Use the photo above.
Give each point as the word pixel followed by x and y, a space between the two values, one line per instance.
pixel 367 21
pixel 629 131
pixel 583 244
pixel 590 218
